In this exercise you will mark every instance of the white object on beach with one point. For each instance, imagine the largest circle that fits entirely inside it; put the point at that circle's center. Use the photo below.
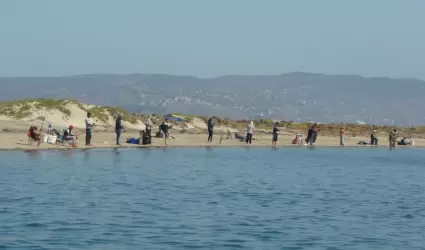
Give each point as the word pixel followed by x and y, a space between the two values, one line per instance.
pixel 45 138
pixel 52 139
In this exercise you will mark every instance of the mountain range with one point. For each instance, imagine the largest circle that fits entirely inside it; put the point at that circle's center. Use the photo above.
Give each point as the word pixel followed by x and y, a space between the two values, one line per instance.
pixel 292 96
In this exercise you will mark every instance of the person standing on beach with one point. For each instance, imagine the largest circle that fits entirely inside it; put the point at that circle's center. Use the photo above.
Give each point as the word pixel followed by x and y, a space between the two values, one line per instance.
pixel 309 139
pixel 118 128
pixel 250 132
pixel 165 128
pixel 393 138
pixel 89 129
pixel 315 132
pixel 275 134
pixel 211 125
pixel 341 136
pixel 373 138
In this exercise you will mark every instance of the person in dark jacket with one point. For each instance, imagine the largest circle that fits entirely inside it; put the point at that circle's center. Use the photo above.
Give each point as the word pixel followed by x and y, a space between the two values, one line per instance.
pixel 275 134
pixel 309 139
pixel 118 128
pixel 211 125
pixel 165 128
pixel 315 132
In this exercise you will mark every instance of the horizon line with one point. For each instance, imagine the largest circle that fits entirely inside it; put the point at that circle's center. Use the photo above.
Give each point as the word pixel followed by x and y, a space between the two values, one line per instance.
pixel 215 77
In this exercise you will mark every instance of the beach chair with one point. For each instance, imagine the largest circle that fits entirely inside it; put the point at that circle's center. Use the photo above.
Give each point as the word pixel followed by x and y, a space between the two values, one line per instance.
pixel 63 141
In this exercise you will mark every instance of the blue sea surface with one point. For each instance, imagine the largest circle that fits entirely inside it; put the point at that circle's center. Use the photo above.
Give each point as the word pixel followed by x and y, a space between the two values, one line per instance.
pixel 213 198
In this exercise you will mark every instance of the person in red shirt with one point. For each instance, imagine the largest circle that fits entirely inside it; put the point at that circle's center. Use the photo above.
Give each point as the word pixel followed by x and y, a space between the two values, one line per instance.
pixel 341 136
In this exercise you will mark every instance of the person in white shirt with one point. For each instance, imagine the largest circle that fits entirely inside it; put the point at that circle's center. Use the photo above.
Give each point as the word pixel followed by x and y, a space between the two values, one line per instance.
pixel 89 129
pixel 250 132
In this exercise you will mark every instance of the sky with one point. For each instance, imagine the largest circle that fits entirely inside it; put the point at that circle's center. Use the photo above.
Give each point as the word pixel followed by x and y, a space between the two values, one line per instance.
pixel 212 38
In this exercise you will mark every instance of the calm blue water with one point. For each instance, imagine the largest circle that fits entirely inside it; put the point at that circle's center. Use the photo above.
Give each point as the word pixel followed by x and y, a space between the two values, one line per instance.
pixel 216 198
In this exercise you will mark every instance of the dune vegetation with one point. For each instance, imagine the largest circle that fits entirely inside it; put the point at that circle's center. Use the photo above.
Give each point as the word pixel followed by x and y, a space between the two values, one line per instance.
pixel 23 109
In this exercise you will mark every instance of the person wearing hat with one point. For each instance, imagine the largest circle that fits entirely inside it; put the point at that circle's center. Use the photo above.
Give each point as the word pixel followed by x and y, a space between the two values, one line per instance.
pixel 69 136
pixel 89 128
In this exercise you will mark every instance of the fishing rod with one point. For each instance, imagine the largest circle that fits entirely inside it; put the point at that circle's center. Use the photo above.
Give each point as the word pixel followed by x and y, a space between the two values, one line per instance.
pixel 44 119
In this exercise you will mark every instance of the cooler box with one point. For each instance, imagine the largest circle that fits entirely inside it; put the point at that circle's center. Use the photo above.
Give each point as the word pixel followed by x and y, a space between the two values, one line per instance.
pixel 52 139
pixel 134 140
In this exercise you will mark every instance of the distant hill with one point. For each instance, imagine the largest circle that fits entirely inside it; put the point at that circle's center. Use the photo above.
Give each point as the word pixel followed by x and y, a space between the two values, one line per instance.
pixel 293 96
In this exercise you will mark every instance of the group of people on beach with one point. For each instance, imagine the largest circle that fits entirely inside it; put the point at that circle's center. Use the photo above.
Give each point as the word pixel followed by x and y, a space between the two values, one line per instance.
pixel 69 137
pixel 164 129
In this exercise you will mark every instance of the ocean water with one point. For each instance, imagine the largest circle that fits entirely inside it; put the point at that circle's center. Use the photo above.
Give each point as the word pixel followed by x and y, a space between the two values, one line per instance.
pixel 213 198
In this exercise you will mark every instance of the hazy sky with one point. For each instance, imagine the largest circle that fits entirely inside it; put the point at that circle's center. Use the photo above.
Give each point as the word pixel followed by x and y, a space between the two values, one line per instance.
pixel 211 38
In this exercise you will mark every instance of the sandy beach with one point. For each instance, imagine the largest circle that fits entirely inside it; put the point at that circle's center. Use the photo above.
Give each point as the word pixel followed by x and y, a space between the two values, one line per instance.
pixel 17 118
pixel 19 141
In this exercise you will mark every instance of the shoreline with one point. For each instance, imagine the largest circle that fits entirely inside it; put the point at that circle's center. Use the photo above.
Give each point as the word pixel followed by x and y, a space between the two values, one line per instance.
pixel 12 141
pixel 134 146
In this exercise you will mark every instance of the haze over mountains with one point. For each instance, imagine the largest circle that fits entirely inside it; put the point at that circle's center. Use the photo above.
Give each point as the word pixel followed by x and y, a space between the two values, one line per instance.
pixel 292 96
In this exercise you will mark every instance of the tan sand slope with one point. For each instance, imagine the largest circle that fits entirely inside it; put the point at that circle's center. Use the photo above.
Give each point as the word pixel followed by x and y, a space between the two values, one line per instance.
pixel 59 116
pixel 19 115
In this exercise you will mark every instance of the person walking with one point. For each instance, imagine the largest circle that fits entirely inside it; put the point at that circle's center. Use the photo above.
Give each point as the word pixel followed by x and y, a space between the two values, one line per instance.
pixel 118 128
pixel 211 125
pixel 89 129
pixel 250 132
pixel 275 134
pixel 341 136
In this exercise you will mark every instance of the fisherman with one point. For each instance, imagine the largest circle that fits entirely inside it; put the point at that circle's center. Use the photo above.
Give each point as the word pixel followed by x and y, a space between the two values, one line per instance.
pixel 309 139
pixel 148 131
pixel 89 129
pixel 118 128
pixel 49 129
pixel 341 136
pixel 393 138
pixel 275 134
pixel 211 125
pixel 69 136
pixel 373 138
pixel 250 132
pixel 315 132
pixel 165 128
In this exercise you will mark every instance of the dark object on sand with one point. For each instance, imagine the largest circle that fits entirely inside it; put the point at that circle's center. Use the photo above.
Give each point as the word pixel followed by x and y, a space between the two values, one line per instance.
pixel 146 136
pixel 363 143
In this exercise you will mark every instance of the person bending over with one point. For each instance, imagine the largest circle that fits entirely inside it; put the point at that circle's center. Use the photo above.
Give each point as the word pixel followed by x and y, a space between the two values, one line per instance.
pixel 69 136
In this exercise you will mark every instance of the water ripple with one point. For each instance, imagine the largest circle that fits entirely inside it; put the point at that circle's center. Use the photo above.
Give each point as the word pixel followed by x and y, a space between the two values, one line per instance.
pixel 213 199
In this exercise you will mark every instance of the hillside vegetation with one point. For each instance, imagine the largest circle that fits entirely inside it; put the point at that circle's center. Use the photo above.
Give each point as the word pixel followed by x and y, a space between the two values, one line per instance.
pixel 65 112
